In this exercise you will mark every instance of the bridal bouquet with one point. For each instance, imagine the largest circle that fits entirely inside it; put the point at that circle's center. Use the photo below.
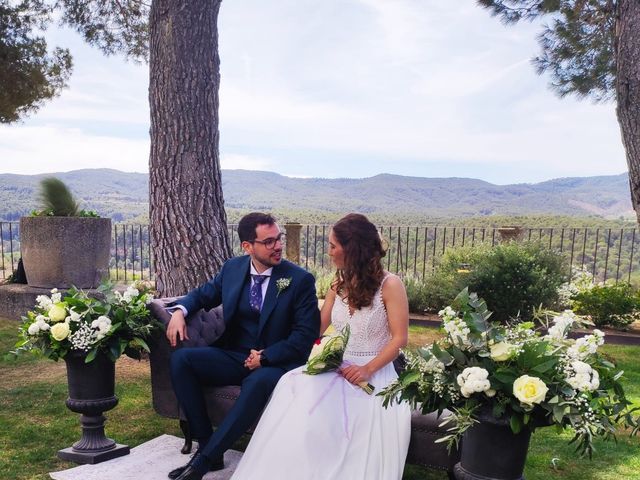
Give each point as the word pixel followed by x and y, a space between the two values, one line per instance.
pixel 119 323
pixel 327 353
pixel 532 377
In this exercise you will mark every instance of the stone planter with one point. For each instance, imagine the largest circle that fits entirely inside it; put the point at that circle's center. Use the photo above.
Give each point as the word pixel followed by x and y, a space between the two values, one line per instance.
pixel 60 252
pixel 91 392
pixel 491 451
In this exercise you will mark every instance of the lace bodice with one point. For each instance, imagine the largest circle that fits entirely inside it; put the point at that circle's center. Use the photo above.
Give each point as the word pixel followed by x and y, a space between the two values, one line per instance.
pixel 369 326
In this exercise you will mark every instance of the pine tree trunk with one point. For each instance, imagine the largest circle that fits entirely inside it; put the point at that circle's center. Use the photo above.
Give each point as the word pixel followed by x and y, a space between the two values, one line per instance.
pixel 188 224
pixel 627 50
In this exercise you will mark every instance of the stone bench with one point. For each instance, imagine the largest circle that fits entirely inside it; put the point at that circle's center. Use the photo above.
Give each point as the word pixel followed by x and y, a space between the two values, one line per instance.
pixel 203 329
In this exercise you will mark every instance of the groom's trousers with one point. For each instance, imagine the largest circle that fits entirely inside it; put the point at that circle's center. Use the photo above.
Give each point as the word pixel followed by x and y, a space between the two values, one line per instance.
pixel 193 369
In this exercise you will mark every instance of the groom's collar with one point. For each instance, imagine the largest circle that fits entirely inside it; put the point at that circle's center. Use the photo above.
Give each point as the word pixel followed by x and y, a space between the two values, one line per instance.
pixel 253 271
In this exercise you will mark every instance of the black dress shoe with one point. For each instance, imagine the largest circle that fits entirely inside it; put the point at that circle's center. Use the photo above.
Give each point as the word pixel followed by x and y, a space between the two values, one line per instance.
pixel 214 465
pixel 189 473
pixel 176 472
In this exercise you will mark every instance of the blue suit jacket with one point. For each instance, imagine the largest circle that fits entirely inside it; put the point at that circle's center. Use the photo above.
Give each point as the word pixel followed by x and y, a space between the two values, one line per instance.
pixel 289 321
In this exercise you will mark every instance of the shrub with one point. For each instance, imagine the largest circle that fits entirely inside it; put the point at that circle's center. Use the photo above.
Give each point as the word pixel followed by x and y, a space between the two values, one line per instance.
pixel 442 286
pixel 581 281
pixel 516 277
pixel 323 281
pixel 416 294
pixel 615 305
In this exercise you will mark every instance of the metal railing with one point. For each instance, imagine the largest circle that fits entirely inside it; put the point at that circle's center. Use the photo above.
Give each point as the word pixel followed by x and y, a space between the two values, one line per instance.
pixel 608 253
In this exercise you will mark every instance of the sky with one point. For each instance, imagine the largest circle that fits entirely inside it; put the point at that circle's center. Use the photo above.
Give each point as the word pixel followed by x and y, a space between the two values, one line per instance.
pixel 341 88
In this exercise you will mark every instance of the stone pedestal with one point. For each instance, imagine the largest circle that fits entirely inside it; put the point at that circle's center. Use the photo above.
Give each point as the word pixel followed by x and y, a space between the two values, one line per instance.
pixel 292 250
pixel 508 234
pixel 65 251
pixel 16 299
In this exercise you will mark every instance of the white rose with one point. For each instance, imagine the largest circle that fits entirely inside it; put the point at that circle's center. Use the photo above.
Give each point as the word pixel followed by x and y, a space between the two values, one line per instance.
pixel 529 390
pixel 57 313
pixel 317 347
pixel 501 351
pixel 60 331
pixel 33 329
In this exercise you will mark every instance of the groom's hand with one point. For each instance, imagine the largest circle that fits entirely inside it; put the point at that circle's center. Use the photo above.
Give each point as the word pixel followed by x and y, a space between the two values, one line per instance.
pixel 253 360
pixel 177 327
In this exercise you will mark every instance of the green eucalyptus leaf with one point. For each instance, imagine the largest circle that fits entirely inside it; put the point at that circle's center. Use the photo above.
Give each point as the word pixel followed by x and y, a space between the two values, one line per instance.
pixel 91 356
pixel 516 424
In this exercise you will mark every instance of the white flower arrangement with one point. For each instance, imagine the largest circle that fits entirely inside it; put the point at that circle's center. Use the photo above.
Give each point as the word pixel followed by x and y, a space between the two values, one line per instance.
pixel 518 372
pixel 117 324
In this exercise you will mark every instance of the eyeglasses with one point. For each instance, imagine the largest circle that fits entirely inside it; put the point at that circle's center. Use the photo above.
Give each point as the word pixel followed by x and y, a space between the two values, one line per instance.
pixel 270 243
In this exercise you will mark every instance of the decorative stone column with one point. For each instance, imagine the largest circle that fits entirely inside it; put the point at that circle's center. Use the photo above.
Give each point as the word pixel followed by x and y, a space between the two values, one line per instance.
pixel 509 233
pixel 292 250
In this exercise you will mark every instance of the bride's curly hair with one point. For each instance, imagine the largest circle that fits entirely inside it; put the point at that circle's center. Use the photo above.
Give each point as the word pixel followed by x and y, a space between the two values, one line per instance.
pixel 362 273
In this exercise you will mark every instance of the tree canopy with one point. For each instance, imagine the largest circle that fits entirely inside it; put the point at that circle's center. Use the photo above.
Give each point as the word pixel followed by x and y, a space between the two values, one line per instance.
pixel 590 48
pixel 31 72
pixel 577 44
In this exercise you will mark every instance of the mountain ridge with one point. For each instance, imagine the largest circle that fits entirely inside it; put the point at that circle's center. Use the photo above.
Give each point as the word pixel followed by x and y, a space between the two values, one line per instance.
pixel 124 195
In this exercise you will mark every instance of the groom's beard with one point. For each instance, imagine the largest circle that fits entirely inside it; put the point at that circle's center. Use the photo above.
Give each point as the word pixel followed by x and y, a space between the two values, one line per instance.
pixel 273 258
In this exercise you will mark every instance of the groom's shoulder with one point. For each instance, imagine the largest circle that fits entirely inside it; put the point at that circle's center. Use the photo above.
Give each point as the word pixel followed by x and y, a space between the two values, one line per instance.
pixel 235 261
pixel 292 269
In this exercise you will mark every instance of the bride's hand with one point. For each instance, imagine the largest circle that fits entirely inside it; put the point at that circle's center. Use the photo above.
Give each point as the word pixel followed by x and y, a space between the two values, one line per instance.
pixel 356 374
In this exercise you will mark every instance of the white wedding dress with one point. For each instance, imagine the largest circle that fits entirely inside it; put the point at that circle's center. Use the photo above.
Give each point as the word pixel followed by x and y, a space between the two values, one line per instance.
pixel 321 427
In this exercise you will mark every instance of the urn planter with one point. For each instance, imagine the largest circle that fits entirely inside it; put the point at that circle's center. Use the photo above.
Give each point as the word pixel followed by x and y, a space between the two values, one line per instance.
pixel 491 451
pixel 60 252
pixel 91 392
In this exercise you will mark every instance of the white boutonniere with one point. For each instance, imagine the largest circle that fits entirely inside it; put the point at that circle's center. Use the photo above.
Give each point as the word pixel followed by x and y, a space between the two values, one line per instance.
pixel 282 284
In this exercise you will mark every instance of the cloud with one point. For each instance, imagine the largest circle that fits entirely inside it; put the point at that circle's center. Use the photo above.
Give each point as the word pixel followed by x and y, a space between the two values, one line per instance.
pixel 245 162
pixel 317 88
pixel 31 150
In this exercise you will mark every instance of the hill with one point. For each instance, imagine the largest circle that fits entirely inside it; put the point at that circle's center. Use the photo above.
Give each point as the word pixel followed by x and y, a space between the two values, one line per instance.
pixel 124 196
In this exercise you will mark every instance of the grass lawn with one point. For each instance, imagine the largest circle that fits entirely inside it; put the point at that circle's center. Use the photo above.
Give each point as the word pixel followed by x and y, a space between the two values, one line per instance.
pixel 35 423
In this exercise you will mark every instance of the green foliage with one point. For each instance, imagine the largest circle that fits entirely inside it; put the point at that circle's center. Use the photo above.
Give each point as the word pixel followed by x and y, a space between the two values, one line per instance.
pixel 29 75
pixel 515 373
pixel 608 304
pixel 57 201
pixel 577 44
pixel 324 278
pixel 119 323
pixel 419 300
pixel 113 27
pixel 449 277
pixel 514 278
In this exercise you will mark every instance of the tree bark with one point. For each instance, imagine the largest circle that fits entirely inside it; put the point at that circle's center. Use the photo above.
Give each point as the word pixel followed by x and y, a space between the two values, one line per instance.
pixel 188 224
pixel 627 51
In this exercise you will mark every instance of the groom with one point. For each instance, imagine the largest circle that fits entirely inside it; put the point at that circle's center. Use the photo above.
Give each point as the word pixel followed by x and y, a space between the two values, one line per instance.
pixel 271 320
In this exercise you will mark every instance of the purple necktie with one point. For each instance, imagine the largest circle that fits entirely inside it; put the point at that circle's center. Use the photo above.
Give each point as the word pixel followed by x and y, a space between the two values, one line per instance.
pixel 255 292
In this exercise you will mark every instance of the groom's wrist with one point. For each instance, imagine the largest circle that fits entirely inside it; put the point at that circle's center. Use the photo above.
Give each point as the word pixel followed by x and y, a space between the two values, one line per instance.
pixel 264 360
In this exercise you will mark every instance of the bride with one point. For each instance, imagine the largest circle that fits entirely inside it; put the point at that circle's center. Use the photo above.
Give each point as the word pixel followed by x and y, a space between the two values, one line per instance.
pixel 324 427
